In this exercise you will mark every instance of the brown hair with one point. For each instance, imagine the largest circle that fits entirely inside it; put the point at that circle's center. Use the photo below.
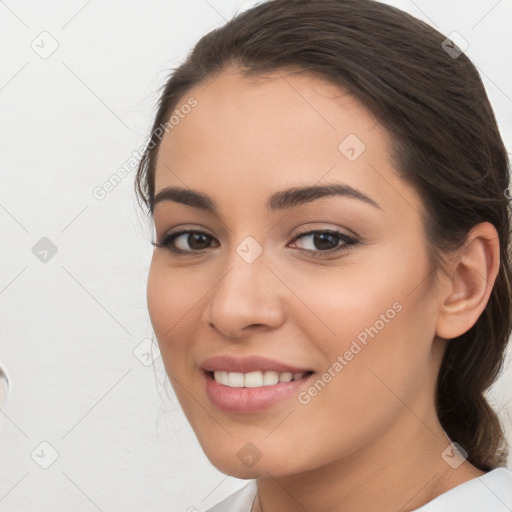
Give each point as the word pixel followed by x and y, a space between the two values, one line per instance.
pixel 429 96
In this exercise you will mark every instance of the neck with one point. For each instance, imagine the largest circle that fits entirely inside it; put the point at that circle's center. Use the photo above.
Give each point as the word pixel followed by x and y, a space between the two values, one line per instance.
pixel 382 476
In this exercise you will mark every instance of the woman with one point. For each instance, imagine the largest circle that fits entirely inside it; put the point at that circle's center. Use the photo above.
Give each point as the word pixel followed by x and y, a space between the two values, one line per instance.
pixel 330 285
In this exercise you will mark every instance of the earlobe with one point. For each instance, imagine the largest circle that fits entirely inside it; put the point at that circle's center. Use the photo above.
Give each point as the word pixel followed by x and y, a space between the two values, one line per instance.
pixel 473 271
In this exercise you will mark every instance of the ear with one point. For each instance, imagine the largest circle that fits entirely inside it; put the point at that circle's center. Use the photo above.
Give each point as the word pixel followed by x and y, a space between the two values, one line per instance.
pixel 472 272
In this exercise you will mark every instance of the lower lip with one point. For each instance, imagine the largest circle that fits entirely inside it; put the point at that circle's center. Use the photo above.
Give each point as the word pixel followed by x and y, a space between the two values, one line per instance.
pixel 249 400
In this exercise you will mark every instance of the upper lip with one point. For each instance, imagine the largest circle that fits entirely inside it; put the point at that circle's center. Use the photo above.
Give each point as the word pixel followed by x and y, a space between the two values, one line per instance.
pixel 246 364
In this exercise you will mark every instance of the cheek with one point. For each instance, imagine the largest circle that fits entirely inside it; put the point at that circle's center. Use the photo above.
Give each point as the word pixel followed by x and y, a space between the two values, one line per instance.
pixel 372 368
pixel 381 323
pixel 172 306
pixel 356 299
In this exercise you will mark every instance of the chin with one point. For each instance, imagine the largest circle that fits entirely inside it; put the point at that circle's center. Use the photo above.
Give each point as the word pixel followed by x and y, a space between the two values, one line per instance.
pixel 229 464
pixel 248 463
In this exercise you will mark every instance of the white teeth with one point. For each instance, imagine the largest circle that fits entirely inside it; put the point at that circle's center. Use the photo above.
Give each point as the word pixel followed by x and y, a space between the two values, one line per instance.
pixel 235 380
pixel 254 379
pixel 270 378
pixel 285 377
pixel 222 378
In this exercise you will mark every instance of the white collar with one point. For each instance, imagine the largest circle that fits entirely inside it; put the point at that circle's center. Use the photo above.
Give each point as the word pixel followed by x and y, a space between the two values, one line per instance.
pixel 491 492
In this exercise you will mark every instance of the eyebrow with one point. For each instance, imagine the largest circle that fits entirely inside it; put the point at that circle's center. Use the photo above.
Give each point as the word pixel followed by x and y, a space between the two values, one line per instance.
pixel 278 201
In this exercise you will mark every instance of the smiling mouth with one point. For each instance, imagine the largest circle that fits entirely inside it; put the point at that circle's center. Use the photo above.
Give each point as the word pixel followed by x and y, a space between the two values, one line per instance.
pixel 255 379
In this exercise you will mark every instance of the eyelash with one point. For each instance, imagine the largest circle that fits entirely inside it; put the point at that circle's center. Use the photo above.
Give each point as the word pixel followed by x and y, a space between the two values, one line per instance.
pixel 348 242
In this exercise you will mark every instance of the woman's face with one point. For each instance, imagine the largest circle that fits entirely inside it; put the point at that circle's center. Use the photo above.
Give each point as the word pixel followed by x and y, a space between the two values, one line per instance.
pixel 331 287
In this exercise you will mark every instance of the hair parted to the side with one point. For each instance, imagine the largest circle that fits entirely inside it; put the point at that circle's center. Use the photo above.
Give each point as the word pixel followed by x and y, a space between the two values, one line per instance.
pixel 447 145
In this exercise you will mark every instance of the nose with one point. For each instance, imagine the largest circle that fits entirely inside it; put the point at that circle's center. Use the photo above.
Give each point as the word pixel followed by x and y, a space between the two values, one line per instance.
pixel 247 297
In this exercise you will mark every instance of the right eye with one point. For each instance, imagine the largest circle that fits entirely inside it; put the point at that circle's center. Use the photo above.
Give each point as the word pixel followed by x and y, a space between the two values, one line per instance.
pixel 185 242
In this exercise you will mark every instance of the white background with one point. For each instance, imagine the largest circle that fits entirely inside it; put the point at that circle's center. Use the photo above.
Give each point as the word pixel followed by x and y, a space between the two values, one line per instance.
pixel 69 326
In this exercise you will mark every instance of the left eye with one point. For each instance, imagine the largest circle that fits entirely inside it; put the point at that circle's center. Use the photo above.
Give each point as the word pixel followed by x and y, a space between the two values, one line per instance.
pixel 325 240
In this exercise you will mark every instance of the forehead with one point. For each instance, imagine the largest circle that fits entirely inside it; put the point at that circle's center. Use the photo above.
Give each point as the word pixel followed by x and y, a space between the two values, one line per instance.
pixel 272 132
pixel 286 105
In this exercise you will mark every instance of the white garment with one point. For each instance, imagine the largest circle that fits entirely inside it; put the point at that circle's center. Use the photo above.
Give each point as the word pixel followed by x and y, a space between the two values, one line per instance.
pixel 491 492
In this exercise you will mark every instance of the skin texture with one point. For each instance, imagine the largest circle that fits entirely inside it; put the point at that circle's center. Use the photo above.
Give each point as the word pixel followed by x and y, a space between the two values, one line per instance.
pixel 372 430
